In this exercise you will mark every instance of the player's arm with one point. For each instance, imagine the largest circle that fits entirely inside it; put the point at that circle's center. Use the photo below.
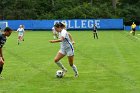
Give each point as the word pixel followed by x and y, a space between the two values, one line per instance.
pixel 71 38
pixel 17 30
pixel 58 40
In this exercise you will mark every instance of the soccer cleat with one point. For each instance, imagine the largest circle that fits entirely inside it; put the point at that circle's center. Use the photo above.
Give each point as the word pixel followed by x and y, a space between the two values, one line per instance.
pixel 1 77
pixel 64 71
pixel 76 75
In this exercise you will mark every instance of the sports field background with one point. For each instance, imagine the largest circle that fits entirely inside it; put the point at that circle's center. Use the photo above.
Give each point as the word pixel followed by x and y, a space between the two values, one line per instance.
pixel 110 64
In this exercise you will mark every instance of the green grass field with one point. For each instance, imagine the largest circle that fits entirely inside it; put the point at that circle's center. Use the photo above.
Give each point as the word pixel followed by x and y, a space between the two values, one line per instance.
pixel 110 64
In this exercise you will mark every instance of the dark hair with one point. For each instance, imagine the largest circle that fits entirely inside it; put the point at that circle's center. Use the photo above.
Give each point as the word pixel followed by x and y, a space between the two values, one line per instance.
pixel 7 29
pixel 59 24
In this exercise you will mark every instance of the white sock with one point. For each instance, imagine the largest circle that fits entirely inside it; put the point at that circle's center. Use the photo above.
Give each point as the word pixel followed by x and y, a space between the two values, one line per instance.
pixel 60 65
pixel 75 69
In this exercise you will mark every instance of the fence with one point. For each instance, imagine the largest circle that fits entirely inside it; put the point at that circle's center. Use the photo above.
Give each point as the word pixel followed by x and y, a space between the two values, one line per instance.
pixel 73 24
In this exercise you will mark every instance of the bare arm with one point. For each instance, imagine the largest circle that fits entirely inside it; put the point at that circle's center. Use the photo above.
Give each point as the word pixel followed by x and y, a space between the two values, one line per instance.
pixel 55 41
pixel 71 38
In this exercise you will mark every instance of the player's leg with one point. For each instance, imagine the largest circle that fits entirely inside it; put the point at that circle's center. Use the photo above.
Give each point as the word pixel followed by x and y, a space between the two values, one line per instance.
pixel 71 59
pixel 1 68
pixel 18 40
pixel 134 32
pixel 23 38
pixel 96 35
pixel 57 59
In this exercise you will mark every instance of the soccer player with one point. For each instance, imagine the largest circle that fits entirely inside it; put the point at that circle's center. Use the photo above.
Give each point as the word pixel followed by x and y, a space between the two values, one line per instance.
pixel 21 32
pixel 55 34
pixel 95 31
pixel 7 32
pixel 133 27
pixel 65 49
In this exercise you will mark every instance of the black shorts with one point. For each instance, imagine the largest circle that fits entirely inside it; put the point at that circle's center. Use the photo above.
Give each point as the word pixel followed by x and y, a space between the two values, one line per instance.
pixel 94 31
pixel 133 29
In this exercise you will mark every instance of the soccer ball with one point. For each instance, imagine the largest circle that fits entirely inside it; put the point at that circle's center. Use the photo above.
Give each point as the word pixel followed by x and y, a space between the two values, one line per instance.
pixel 59 73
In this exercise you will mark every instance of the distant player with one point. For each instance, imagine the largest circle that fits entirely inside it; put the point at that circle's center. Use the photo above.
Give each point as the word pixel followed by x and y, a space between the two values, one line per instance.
pixel 65 49
pixel 7 32
pixel 21 32
pixel 133 27
pixel 55 33
pixel 95 34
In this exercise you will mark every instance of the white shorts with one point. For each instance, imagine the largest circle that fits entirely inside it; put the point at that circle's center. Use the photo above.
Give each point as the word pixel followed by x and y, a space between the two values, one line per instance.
pixel 67 51
pixel 20 35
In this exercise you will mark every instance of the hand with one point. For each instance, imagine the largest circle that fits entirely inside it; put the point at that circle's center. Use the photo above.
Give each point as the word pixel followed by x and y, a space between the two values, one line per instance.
pixel 51 41
pixel 73 42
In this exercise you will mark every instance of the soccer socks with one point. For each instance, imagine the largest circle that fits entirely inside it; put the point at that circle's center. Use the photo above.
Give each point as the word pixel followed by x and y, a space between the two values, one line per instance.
pixel 1 68
pixel 18 42
pixel 95 35
pixel 60 65
pixel 75 69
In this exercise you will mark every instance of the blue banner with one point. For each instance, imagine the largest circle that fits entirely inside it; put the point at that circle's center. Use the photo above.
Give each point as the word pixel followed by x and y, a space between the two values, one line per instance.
pixel 72 24
pixel 88 23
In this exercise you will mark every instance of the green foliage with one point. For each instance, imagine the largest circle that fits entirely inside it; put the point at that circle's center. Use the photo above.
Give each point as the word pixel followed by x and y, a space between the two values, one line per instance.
pixel 129 10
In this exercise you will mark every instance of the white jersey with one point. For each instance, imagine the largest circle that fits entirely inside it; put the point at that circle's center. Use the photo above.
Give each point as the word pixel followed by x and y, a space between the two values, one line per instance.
pixel 20 31
pixel 66 43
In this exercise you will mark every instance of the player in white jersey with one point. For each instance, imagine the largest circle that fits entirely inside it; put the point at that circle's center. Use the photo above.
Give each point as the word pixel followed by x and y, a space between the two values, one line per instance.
pixel 20 31
pixel 66 48
pixel 55 33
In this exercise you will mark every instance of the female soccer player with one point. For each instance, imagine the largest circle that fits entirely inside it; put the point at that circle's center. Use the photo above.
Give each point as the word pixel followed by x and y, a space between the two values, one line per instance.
pixel 7 32
pixel 65 49
pixel 21 32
